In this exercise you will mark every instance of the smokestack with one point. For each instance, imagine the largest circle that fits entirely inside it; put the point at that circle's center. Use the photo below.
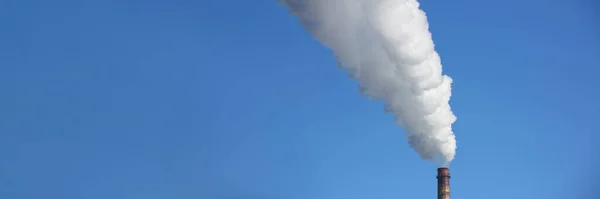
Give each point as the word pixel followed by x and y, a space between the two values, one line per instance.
pixel 443 176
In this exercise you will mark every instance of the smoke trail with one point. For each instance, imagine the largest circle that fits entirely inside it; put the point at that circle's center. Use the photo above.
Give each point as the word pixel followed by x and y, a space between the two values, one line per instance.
pixel 386 45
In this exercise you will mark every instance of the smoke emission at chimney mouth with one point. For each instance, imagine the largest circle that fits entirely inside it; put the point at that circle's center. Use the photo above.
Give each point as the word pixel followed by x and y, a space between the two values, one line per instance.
pixel 386 46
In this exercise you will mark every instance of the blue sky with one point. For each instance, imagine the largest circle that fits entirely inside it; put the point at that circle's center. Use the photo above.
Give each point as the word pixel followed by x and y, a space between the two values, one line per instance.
pixel 232 99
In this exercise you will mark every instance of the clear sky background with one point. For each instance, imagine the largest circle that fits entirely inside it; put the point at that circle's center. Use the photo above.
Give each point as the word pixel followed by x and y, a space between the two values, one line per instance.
pixel 182 99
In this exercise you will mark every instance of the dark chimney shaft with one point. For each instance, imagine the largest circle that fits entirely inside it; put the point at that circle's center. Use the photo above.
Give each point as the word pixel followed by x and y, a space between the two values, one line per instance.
pixel 443 176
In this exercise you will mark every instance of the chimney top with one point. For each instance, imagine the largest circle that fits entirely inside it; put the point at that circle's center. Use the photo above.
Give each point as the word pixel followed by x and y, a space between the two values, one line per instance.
pixel 443 171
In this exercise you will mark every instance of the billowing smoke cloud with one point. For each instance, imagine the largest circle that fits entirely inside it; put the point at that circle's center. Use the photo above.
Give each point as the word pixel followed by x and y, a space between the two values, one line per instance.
pixel 386 45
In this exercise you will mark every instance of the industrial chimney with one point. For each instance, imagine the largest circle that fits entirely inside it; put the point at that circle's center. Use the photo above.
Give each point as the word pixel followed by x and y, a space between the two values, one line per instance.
pixel 443 176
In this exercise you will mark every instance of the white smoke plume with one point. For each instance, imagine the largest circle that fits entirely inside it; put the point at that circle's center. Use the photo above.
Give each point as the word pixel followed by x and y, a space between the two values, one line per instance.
pixel 386 45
